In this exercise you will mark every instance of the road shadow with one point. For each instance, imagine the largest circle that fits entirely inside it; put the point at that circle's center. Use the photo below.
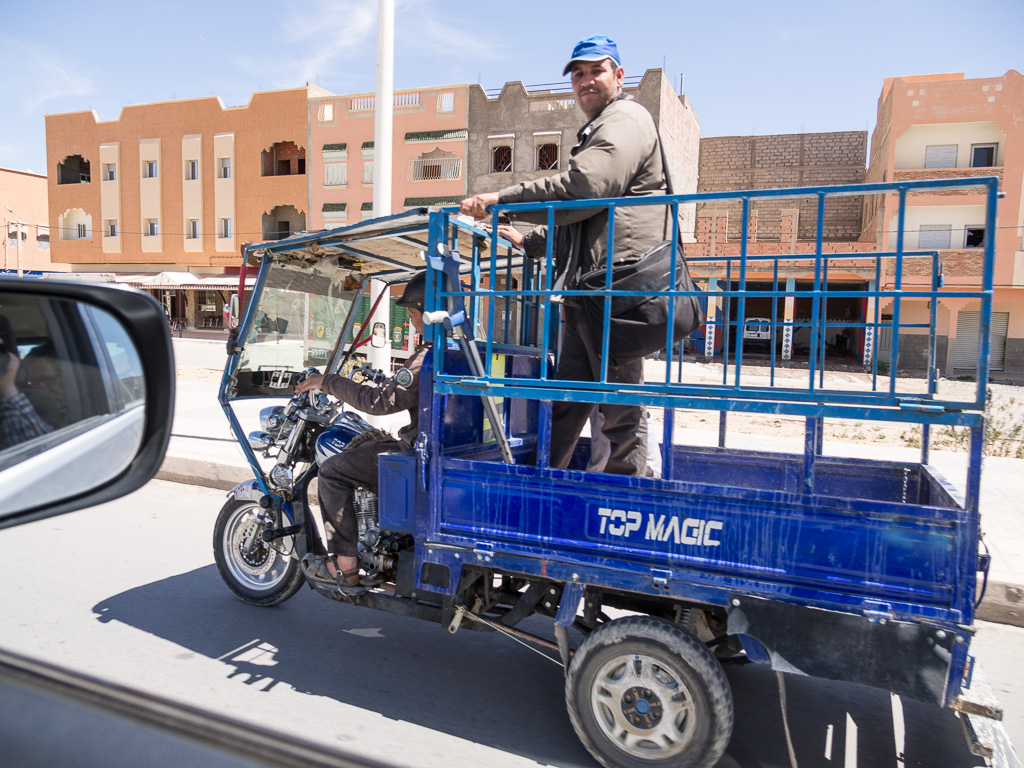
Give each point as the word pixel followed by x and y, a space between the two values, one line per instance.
pixel 492 691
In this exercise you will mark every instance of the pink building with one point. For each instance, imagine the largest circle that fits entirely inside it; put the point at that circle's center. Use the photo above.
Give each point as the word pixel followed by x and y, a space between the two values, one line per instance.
pixel 23 206
pixel 428 160
pixel 943 126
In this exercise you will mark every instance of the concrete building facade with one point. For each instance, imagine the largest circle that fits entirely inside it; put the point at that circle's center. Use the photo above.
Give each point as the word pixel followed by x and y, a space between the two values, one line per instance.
pixel 428 152
pixel 177 187
pixel 521 134
pixel 24 211
pixel 787 227
pixel 945 126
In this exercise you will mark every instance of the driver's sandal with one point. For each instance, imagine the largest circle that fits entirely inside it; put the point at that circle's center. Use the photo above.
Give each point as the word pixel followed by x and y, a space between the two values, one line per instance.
pixel 347 582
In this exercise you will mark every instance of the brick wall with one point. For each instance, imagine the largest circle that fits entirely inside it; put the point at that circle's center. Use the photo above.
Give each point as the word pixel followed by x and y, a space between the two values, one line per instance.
pixel 793 160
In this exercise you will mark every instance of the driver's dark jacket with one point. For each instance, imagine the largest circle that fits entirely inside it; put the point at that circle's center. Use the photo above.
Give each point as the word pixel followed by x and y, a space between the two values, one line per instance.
pixel 386 399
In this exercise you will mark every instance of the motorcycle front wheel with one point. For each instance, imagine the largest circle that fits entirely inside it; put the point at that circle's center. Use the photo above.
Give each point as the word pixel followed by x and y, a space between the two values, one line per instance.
pixel 262 576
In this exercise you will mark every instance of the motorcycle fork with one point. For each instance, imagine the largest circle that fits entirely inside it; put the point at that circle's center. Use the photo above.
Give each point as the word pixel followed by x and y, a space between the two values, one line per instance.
pixel 309 541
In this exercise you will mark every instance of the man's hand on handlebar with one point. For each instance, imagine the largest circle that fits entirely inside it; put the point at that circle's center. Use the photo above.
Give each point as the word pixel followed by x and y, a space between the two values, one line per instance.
pixel 311 382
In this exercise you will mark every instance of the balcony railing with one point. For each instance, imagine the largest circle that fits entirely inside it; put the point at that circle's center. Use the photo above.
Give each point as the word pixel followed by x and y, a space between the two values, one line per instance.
pixel 914 174
pixel 439 169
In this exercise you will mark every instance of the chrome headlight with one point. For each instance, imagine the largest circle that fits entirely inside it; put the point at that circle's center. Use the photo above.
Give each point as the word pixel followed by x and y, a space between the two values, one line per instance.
pixel 273 421
pixel 281 476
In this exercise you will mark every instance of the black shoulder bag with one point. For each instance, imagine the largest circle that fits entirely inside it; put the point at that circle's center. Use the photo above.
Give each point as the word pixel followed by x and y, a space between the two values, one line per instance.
pixel 639 324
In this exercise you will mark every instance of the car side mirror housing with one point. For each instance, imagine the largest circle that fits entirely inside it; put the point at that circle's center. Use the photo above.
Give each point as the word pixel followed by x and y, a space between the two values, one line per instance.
pixel 86 395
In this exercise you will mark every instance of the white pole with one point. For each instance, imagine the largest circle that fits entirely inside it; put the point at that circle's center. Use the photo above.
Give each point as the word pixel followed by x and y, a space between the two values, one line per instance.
pixel 19 248
pixel 382 139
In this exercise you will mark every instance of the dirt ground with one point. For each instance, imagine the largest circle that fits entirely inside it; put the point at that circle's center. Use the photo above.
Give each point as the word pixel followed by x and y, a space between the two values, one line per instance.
pixel 1005 412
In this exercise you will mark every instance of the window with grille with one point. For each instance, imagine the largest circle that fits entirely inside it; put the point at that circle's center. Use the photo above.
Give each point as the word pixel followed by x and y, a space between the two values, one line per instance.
pixel 547 157
pixel 82 234
pixel 191 170
pixel 43 242
pixel 326 114
pixel 367 172
pixel 501 159
pixel 192 231
pixel 446 102
pixel 225 228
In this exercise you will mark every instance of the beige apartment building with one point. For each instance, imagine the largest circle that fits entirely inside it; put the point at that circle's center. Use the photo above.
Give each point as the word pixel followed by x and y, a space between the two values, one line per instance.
pixel 165 195
pixel 946 126
pixel 26 238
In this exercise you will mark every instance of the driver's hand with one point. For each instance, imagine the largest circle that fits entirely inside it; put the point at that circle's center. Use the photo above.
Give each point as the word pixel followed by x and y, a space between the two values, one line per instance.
pixel 311 382
pixel 477 205
pixel 7 386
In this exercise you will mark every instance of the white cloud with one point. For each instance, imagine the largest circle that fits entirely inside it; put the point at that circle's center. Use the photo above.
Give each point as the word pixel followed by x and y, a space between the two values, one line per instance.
pixel 38 74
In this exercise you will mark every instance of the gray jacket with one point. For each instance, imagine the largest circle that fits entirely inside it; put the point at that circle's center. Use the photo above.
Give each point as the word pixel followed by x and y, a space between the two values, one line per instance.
pixel 617 155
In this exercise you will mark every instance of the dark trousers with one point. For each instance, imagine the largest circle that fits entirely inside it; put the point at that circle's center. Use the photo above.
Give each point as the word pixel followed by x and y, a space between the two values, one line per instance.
pixel 624 425
pixel 339 476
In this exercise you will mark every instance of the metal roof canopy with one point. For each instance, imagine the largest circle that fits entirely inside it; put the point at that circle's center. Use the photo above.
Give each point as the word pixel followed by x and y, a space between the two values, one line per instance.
pixel 389 248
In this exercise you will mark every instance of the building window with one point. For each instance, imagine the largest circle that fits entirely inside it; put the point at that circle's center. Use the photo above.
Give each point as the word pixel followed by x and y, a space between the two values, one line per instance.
pixel 326 113
pixel 224 169
pixel 12 235
pixel 974 237
pixel 191 170
pixel 43 242
pixel 149 169
pixel 111 227
pixel 547 157
pixel 983 155
pixel 192 230
pixel 152 228
pixel 934 236
pixel 367 172
pixel 225 228
pixel 437 164
pixel 940 156
pixel 501 159
pixel 335 174
pixel 446 102
pixel 73 170
pixel 82 233
pixel 110 172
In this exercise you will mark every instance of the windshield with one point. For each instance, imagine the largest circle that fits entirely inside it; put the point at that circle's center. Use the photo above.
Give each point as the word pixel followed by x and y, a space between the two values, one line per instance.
pixel 295 325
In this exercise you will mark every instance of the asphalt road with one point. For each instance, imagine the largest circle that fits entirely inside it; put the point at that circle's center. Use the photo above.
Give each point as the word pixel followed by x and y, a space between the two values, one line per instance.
pixel 128 592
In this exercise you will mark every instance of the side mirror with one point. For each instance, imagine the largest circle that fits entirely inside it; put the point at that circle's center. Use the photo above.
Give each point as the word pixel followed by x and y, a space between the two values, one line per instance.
pixel 233 312
pixel 379 338
pixel 86 395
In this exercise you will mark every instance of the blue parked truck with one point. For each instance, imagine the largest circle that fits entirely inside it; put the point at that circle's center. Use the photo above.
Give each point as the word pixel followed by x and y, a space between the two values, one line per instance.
pixel 838 567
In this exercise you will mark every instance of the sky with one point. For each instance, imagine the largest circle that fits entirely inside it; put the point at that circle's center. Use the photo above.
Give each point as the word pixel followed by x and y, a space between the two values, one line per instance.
pixel 746 67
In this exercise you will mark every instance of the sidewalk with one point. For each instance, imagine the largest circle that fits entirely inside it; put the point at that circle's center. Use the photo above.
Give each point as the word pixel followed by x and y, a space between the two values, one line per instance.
pixel 203 452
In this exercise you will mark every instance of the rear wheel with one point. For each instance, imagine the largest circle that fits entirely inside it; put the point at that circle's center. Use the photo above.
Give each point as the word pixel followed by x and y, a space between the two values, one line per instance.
pixel 264 575
pixel 644 692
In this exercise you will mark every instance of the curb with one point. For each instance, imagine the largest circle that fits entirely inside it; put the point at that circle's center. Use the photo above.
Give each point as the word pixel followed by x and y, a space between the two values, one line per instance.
pixel 208 474
pixel 1003 603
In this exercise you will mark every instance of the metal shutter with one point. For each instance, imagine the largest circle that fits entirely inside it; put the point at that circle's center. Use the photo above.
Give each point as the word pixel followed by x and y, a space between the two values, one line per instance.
pixel 940 156
pixel 967 327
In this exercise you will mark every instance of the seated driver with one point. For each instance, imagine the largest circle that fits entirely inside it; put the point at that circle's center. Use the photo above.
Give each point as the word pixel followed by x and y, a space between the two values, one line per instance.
pixel 357 464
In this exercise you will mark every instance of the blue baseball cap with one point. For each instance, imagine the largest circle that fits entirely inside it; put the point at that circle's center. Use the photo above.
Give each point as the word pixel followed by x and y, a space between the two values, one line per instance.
pixel 593 48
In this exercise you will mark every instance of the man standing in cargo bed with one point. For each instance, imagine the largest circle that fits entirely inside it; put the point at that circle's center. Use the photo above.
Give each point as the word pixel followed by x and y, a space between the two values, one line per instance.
pixel 617 155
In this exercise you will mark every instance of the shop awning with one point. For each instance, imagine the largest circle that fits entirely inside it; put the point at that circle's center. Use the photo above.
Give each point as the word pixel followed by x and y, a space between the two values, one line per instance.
pixel 185 281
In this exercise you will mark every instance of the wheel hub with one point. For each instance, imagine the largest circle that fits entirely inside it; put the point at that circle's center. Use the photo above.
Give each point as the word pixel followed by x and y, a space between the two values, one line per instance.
pixel 641 707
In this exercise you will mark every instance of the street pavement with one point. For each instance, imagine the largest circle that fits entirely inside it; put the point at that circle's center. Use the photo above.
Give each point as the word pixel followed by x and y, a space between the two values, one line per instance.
pixel 203 452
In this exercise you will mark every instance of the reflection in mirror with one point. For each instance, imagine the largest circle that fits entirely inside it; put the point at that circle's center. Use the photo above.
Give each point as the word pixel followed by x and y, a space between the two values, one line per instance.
pixel 380 336
pixel 72 397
